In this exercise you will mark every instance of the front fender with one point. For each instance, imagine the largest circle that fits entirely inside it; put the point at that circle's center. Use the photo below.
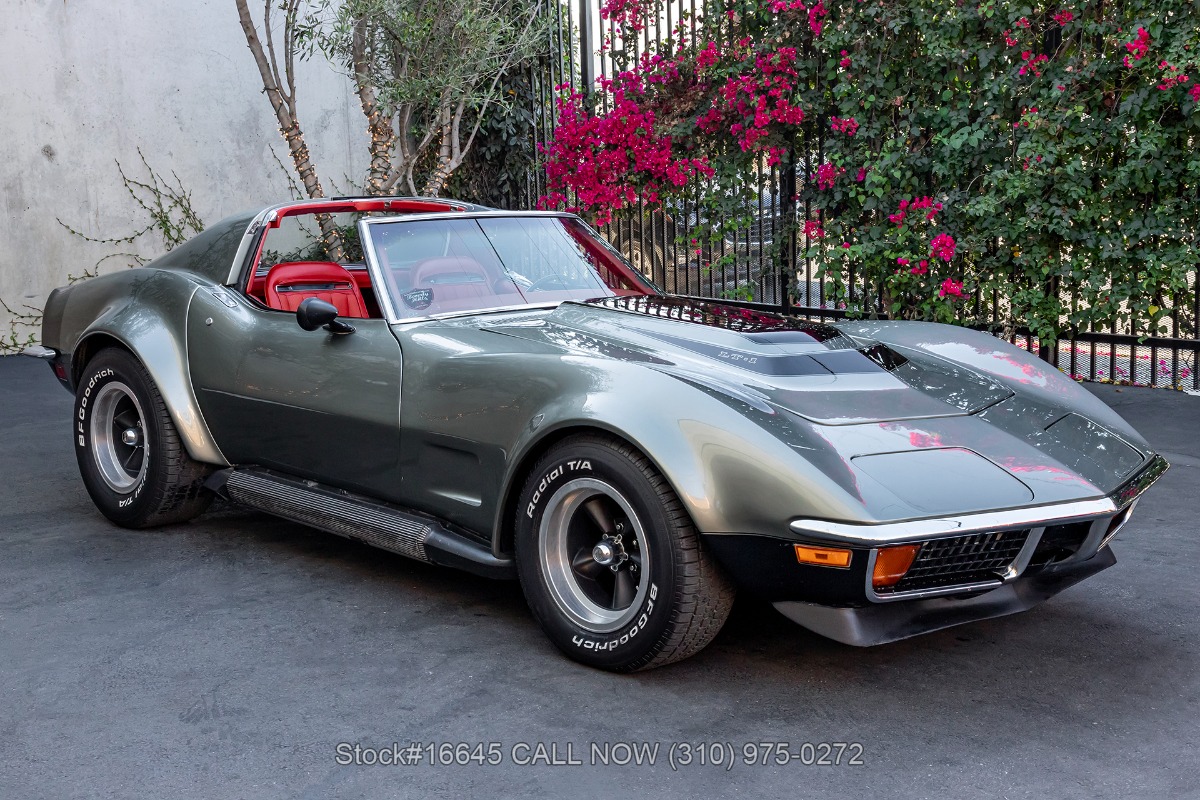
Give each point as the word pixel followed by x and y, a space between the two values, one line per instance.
pixel 736 469
pixel 146 311
pixel 1020 370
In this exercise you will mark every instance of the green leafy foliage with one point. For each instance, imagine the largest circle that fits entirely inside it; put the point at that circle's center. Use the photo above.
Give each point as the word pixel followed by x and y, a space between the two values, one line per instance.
pixel 1060 141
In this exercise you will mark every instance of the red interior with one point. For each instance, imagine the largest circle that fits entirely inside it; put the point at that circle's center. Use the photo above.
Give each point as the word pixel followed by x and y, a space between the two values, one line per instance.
pixel 351 290
pixel 292 282
pixel 256 287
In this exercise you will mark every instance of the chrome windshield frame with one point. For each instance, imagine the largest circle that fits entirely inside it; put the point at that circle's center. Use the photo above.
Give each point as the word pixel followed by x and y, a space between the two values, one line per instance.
pixel 375 268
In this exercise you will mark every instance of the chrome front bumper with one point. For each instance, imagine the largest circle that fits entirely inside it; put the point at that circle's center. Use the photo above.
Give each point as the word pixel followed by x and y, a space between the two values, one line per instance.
pixel 1104 517
pixel 887 533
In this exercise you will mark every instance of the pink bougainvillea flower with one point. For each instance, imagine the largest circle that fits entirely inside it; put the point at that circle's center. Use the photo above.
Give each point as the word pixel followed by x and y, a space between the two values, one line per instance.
pixel 1063 17
pixel 815 13
pixel 1032 63
pixel 942 246
pixel 827 174
pixel 1139 46
pixel 951 288
pixel 848 126
pixel 631 13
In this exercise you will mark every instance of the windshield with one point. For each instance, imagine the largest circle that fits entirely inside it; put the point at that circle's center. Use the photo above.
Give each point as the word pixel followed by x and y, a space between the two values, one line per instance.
pixel 445 265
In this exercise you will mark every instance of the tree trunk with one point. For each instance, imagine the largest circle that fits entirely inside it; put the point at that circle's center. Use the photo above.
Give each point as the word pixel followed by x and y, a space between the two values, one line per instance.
pixel 379 126
pixel 445 166
pixel 283 102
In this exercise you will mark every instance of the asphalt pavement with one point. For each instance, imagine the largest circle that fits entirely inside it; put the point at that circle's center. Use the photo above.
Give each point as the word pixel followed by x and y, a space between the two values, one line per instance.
pixel 240 656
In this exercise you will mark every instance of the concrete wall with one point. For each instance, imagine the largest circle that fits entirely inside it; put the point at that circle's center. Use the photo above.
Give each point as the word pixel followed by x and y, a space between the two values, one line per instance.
pixel 84 83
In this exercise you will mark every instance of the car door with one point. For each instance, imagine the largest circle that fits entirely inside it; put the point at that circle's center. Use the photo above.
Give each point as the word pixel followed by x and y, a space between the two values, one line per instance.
pixel 311 403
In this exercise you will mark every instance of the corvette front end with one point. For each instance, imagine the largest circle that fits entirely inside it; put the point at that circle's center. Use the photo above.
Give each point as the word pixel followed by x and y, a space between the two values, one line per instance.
pixel 870 584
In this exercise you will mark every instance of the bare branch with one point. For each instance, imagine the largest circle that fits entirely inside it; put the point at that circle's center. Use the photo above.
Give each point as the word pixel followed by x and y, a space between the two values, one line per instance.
pixel 289 48
pixel 275 77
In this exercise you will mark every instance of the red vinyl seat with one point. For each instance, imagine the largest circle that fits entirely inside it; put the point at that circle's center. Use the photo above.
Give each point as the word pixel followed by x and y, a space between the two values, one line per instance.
pixel 453 278
pixel 292 282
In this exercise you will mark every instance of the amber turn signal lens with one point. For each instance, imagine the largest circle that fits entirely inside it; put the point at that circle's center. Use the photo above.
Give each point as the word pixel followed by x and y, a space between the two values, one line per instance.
pixel 823 556
pixel 891 563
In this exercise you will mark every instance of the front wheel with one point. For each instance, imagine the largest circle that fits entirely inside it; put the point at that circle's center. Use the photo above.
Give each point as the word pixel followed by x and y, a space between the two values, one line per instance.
pixel 131 458
pixel 609 560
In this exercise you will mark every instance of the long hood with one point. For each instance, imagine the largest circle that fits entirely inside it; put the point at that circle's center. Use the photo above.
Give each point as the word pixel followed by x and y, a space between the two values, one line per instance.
pixel 908 433
pixel 808 369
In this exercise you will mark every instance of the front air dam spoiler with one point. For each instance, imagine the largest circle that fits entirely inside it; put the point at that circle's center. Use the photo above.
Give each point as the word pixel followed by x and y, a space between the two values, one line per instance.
pixel 890 622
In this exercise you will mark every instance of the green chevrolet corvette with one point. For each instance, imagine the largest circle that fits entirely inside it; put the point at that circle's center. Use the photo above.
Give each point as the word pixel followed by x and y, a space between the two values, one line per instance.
pixel 503 393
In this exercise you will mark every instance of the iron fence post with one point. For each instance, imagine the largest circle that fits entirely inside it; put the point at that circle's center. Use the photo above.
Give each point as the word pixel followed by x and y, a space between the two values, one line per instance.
pixel 787 229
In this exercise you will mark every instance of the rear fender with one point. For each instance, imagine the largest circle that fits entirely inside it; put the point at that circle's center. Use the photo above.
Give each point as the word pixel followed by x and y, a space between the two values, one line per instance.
pixel 145 310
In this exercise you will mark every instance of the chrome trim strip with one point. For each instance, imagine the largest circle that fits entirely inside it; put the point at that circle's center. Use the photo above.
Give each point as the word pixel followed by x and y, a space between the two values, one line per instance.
pixel 940 527
pixel 39 351
pixel 1025 556
pixel 479 312
pixel 920 594
pixel 1108 537
pixel 1140 482
pixel 424 215
pixel 243 251
pixel 382 294
pixel 867 534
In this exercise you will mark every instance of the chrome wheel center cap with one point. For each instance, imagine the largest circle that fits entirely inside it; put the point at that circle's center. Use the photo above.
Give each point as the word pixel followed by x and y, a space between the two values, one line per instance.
pixel 131 437
pixel 604 553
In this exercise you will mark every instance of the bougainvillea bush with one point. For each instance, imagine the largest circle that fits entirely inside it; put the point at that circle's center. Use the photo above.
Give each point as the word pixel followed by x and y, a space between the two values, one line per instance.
pixel 1039 165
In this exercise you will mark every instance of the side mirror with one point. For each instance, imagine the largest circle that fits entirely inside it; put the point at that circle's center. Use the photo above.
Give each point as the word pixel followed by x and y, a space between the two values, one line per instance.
pixel 314 313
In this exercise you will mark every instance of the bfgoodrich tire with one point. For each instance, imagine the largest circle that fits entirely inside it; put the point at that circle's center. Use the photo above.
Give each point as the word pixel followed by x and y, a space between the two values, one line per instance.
pixel 132 461
pixel 609 560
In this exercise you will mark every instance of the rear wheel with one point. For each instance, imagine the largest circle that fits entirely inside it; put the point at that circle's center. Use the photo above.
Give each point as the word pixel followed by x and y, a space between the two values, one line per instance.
pixel 131 458
pixel 610 563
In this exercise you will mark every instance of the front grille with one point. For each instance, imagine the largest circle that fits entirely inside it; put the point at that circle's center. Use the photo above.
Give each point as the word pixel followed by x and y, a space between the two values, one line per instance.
pixel 960 560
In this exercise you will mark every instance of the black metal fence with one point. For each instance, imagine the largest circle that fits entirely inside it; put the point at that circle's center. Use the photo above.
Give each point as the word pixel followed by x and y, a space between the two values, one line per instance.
pixel 758 266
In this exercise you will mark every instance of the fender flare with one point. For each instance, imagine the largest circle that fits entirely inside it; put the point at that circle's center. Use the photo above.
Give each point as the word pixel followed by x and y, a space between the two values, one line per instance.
pixel 151 323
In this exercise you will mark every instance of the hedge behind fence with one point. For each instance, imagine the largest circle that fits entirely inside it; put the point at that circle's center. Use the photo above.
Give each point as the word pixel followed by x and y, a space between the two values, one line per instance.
pixel 1033 165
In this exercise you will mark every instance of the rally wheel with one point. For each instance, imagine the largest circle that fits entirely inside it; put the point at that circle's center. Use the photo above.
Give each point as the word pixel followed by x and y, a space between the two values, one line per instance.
pixel 130 455
pixel 610 563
